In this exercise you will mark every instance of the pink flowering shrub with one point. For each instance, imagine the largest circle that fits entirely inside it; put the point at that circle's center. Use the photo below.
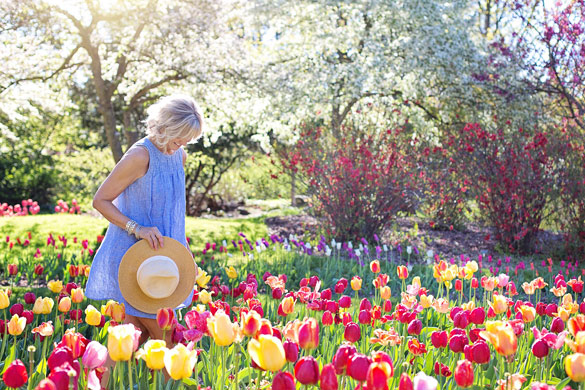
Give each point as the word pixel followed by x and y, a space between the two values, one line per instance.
pixel 63 207
pixel 26 207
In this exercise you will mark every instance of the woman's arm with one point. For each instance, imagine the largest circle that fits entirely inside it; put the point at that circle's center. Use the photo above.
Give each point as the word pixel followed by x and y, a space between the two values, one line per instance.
pixel 132 166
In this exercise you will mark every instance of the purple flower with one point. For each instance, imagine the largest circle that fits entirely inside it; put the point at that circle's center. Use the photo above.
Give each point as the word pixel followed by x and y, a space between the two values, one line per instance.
pixel 363 240
pixel 376 237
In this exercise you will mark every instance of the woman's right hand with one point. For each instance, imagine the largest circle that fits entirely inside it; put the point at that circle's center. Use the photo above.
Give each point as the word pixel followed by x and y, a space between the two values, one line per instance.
pixel 152 235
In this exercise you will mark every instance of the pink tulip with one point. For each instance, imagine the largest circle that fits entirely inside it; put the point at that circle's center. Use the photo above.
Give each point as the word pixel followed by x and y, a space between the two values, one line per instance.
pixel 95 355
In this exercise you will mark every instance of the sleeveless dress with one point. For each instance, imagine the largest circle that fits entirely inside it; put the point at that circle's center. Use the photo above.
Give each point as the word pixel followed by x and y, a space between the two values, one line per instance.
pixel 156 199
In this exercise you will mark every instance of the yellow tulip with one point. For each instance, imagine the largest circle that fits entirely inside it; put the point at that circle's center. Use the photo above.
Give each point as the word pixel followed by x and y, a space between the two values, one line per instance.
pixel 472 266
pixel 528 313
pixel 267 352
pixel 563 313
pixel 231 272
pixel 77 295
pixel 180 362
pixel 115 310
pixel 4 300
pixel 356 283
pixel 500 304
pixel 64 305
pixel 92 316
pixel 204 297
pixel 16 325
pixel 426 301
pixel 202 278
pixel 47 305
pixel 38 306
pixel 221 329
pixel 502 336
pixel 153 354
pixel 575 367
pixel 385 292
pixel 55 286
pixel 121 342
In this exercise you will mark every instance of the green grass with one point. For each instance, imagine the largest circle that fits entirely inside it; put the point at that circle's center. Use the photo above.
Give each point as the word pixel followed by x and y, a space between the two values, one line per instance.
pixel 200 230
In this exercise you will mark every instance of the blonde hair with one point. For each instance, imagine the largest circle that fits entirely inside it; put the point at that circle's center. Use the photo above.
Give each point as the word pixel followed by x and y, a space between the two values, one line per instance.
pixel 172 117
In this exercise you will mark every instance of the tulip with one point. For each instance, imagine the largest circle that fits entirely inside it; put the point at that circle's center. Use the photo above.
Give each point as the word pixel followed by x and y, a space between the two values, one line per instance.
pixel 477 316
pixel 291 351
pixel 288 305
pixel 221 329
pixel 204 297
pixel 341 357
pixel 115 310
pixel 59 357
pixel 17 308
pixel 414 327
pixel 357 366
pixel 16 325
pixel 77 342
pixel 77 295
pixel 385 292
pixel 327 318
pixel 231 272
pixel 45 329
pixel 95 355
pixel 364 317
pixel 464 373
pixel 540 349
pixel 267 352
pixel 250 322
pixel 344 302
pixel 29 316
pixel 439 339
pixel 557 325
pixel 365 305
pixel 46 384
pixel 121 341
pixel 180 362
pixel 153 353
pixel 500 304
pixel 480 352
pixel 356 283
pixel 329 378
pixel 55 286
pixel 29 298
pixel 38 270
pixel 405 382
pixel 64 305
pixel 307 370
pixel 424 382
pixel 402 272
pixel 375 266
pixel 165 318
pixel 502 337
pixel 4 300
pixel 283 381
pixel 12 269
pixel 378 375
pixel 61 378
pixel 92 316
pixel 15 374
pixel 308 335
pixel 528 313
pixel 352 332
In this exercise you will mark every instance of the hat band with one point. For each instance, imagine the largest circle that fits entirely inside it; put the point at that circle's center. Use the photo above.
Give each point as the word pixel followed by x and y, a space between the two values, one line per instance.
pixel 158 277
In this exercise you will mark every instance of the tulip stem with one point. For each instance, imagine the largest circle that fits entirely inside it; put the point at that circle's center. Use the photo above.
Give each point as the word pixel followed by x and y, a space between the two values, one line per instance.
pixel 154 379
pixel 222 366
pixel 130 373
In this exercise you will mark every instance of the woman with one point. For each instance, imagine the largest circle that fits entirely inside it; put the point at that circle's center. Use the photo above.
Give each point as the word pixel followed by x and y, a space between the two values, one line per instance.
pixel 144 198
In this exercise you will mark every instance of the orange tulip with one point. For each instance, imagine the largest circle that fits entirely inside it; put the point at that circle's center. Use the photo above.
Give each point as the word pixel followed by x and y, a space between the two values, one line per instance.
pixel 375 266
pixel 309 334
pixel 502 337
pixel 115 310
pixel 64 304
pixel 500 304
pixel 288 305
pixel 385 292
pixel 77 295
pixel 576 324
pixel 528 313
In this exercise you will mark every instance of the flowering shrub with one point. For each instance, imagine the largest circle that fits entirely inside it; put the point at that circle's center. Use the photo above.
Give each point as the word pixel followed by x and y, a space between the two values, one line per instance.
pixel 63 207
pixel 358 182
pixel 28 206
pixel 513 176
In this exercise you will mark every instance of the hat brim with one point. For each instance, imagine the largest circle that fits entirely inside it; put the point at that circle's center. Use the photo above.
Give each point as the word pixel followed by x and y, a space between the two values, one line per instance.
pixel 141 251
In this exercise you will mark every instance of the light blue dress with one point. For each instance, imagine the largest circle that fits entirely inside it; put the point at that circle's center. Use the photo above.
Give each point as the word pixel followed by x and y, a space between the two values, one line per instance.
pixel 156 199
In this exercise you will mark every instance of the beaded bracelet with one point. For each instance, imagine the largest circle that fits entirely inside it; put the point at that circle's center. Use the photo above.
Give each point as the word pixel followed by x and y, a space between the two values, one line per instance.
pixel 130 226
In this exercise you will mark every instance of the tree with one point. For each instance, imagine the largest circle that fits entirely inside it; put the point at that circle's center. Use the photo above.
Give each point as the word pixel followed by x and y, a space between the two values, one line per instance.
pixel 131 51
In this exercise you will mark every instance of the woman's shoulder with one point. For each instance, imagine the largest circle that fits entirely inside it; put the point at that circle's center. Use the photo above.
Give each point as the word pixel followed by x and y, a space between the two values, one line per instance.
pixel 137 157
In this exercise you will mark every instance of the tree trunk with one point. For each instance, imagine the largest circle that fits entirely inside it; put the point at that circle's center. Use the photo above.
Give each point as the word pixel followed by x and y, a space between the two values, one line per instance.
pixel 130 132
pixel 293 189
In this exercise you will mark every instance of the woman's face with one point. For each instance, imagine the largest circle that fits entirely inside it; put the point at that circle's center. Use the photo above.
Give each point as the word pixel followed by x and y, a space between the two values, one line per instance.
pixel 175 143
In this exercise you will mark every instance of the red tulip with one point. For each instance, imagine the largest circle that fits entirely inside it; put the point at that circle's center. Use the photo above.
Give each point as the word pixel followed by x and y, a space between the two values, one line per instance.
pixel 165 318
pixel 60 375
pixel 291 351
pixel 477 316
pixel 39 269
pixel 357 366
pixel 341 285
pixel 352 332
pixel 364 317
pixel 388 306
pixel 307 370
pixel 414 327
pixel 441 369
pixel 15 375
pixel 383 357
pixel 329 378
pixel 365 305
pixel 540 348
pixel 29 315
pixel 326 294
pixel 480 351
pixel 458 285
pixel 405 382
pixel 344 302
pixel 17 308
pixel 29 298
pixel 439 339
pixel 46 384
pixel 378 375
pixel 457 342
pixel 277 293
pixel 59 356
pixel 309 334
pixel 464 373
pixel 12 269
pixel 474 283
pixel 283 381
pixel 341 357
pixel 557 325
pixel 461 319
pixel 551 309
pixel 327 318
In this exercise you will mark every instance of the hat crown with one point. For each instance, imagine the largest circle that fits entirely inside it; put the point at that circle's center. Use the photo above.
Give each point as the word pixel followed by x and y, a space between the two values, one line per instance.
pixel 158 277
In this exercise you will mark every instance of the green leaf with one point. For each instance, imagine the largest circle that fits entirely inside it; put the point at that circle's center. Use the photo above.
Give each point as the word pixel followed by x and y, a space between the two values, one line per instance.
pixel 563 383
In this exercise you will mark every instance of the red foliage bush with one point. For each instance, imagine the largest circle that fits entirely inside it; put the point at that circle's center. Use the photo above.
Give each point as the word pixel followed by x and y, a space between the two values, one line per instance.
pixel 513 176
pixel 358 182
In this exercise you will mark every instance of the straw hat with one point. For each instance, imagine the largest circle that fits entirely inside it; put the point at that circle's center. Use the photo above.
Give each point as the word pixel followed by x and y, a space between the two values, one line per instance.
pixel 150 280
